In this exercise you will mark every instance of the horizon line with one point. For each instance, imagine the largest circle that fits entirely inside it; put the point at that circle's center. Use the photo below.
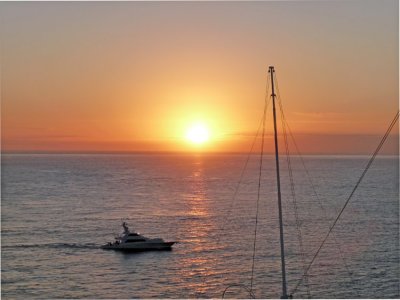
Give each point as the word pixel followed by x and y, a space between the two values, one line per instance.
pixel 166 152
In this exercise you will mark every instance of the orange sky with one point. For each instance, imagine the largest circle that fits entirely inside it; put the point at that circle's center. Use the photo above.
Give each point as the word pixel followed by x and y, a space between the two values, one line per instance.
pixel 133 76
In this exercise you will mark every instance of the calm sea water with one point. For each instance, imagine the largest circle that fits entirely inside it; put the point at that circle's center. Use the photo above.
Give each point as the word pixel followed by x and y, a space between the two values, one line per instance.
pixel 58 209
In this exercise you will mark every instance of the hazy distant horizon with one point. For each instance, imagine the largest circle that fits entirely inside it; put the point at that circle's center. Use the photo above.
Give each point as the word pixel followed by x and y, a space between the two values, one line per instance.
pixel 328 145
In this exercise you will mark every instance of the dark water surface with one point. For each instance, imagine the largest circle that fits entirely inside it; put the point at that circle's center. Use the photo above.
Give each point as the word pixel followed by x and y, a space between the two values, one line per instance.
pixel 58 209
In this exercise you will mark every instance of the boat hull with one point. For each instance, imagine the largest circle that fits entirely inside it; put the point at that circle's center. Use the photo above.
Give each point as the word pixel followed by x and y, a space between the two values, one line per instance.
pixel 139 247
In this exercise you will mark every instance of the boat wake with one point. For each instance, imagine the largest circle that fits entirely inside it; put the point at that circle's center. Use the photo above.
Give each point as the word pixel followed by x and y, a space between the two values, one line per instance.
pixel 54 246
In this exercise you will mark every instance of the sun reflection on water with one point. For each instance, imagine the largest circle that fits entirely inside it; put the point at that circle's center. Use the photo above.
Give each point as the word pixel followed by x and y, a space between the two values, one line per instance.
pixel 196 265
pixel 196 197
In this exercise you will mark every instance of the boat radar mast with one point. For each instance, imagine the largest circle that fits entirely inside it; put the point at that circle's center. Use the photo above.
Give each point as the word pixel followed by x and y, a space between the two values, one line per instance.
pixel 271 71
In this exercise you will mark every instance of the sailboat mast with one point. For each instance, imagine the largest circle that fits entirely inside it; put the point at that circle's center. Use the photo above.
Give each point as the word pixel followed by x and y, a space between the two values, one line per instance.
pixel 278 181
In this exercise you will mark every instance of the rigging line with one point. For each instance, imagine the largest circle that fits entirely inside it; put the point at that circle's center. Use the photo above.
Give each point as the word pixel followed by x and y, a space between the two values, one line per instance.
pixel 319 201
pixel 292 188
pixel 244 167
pixel 227 219
pixel 314 190
pixel 242 286
pixel 240 179
pixel 297 221
pixel 242 172
pixel 396 117
pixel 266 102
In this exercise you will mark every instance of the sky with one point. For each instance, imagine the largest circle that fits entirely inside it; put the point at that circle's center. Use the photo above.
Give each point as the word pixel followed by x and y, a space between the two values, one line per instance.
pixel 136 76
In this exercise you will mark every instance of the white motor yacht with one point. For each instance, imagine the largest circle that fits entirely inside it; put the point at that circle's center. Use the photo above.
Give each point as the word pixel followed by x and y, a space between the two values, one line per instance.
pixel 133 241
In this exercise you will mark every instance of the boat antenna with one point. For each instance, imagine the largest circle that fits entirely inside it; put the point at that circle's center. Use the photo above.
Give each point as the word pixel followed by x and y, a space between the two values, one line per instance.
pixel 271 71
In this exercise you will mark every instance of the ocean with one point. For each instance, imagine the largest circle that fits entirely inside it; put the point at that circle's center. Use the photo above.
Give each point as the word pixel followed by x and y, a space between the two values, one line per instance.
pixel 57 210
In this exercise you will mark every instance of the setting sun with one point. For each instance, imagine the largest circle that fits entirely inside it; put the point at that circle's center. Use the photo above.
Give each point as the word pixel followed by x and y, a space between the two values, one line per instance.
pixel 197 134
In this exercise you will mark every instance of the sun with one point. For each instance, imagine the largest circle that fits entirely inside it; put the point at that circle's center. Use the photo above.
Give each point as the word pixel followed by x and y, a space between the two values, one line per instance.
pixel 198 134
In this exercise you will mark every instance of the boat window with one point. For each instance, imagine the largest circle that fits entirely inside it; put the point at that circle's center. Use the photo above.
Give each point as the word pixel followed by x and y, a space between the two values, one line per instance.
pixel 133 234
pixel 133 241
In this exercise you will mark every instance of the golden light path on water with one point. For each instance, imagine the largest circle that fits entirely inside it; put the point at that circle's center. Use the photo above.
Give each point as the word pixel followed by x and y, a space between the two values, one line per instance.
pixel 198 207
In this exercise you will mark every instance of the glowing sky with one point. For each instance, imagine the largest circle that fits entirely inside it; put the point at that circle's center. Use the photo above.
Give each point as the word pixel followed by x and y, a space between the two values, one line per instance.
pixel 134 76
